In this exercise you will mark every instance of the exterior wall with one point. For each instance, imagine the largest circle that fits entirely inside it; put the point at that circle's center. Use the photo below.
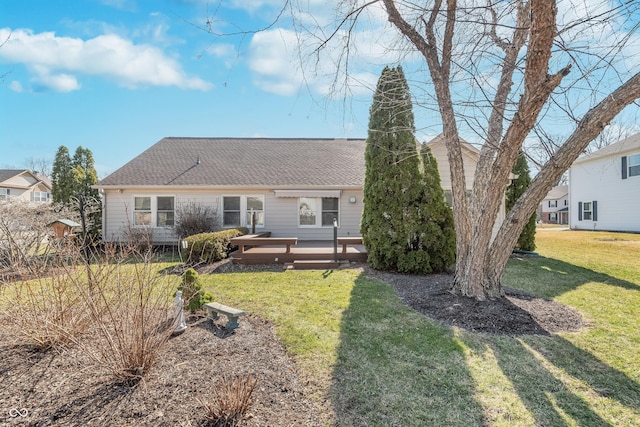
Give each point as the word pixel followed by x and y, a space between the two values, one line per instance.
pixel 618 200
pixel 21 187
pixel 470 161
pixel 561 217
pixel 280 213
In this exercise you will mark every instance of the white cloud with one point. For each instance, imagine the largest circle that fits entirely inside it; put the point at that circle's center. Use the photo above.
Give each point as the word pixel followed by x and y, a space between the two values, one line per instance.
pixel 57 62
pixel 15 86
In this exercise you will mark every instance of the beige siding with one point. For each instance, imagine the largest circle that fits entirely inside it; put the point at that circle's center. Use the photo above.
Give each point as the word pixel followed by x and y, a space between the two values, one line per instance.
pixel 470 161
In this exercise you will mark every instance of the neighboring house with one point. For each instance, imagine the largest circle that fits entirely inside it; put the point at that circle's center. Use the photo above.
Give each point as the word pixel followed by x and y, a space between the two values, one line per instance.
pixel 604 188
pixel 555 206
pixel 296 187
pixel 23 185
pixel 470 157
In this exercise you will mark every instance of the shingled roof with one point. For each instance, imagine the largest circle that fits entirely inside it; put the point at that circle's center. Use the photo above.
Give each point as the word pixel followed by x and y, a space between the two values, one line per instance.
pixel 245 162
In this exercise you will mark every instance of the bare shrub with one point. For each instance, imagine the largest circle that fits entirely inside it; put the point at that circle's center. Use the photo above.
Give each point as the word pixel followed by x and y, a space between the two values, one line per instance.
pixel 138 239
pixel 194 218
pixel 130 305
pixel 47 312
pixel 230 402
pixel 25 237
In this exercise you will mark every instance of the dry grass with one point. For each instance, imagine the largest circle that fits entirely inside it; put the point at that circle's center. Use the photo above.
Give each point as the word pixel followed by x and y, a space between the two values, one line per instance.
pixel 230 401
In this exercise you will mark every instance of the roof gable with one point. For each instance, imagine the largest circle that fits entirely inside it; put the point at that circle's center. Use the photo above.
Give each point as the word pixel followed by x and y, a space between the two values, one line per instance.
pixel 631 143
pixel 245 162
pixel 557 192
pixel 22 178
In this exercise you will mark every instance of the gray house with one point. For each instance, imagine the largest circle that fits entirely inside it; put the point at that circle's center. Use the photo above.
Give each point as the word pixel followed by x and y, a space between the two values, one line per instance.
pixel 295 187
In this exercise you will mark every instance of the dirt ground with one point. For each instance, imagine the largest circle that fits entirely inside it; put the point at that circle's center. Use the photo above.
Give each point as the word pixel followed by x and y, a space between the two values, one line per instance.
pixel 62 388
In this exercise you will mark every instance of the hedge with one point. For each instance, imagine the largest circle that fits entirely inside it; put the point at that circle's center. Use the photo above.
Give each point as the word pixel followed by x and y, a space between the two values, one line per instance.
pixel 210 247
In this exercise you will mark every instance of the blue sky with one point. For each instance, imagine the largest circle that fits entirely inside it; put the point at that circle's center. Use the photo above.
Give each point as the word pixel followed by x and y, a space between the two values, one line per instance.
pixel 116 76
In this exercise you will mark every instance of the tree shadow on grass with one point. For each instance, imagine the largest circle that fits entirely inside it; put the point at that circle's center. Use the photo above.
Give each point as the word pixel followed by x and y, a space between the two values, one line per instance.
pixel 552 378
pixel 550 277
pixel 395 367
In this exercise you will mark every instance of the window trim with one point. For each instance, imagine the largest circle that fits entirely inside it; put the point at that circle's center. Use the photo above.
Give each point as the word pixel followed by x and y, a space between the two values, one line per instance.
pixel 6 195
pixel 635 164
pixel 153 210
pixel 553 203
pixel 40 198
pixel 586 211
pixel 318 215
pixel 244 212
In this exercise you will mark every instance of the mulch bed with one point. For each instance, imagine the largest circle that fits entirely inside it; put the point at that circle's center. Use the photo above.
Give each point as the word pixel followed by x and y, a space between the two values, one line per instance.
pixel 519 313
pixel 63 388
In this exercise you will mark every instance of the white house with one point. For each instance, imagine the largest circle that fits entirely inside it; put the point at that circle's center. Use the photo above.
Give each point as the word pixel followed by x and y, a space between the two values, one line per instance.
pixel 554 209
pixel 604 188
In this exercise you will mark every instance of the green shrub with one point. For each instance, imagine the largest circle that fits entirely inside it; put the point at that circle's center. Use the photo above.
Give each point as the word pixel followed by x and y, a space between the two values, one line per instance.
pixel 193 295
pixel 210 247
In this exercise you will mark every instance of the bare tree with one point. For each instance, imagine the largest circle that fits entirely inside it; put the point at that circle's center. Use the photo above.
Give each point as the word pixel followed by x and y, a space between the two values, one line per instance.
pixel 39 165
pixel 498 69
pixel 495 70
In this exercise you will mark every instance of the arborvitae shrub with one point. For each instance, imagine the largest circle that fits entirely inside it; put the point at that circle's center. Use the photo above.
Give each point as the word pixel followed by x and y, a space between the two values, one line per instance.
pixel 193 295
pixel 406 225
pixel 527 239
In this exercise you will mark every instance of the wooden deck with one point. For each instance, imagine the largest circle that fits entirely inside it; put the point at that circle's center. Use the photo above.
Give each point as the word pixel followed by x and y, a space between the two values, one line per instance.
pixel 303 250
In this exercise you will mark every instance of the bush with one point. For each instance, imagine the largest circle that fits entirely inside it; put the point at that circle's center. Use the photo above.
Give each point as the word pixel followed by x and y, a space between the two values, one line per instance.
pixel 231 401
pixel 210 247
pixel 119 299
pixel 194 218
pixel 192 293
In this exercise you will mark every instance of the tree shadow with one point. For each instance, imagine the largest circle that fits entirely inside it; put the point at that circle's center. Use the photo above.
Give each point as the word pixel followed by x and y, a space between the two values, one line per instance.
pixel 394 367
pixel 550 277
pixel 547 372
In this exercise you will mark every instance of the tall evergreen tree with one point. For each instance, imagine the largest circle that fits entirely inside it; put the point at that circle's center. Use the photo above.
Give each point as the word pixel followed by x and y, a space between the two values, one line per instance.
pixel 84 173
pixel 86 199
pixel 62 176
pixel 527 239
pixel 397 222
pixel 71 181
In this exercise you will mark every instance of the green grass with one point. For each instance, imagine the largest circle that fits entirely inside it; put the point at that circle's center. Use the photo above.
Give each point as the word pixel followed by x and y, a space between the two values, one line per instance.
pixel 380 363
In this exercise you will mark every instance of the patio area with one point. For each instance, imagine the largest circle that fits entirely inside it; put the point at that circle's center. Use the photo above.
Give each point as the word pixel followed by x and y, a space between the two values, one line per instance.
pixel 304 250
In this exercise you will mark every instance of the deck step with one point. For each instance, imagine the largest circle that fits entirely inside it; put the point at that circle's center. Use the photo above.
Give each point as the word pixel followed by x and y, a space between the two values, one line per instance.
pixel 315 264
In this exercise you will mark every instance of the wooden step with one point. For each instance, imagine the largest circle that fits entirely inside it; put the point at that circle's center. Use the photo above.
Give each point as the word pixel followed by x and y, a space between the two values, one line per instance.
pixel 315 264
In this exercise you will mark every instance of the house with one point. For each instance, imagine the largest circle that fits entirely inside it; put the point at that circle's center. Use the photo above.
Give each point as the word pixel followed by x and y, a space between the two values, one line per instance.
pixel 604 188
pixel 294 187
pixel 554 209
pixel 470 157
pixel 23 185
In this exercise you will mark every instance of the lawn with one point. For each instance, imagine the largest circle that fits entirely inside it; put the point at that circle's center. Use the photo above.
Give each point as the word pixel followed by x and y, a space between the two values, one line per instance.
pixel 373 361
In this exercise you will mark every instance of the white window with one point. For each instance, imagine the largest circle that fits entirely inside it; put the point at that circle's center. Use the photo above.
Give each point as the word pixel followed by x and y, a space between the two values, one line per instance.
pixel 166 211
pixel 4 193
pixel 553 216
pixel 634 165
pixel 142 211
pixel 154 211
pixel 318 211
pixel 40 196
pixel 237 211
pixel 553 203
pixel 586 211
pixel 255 209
